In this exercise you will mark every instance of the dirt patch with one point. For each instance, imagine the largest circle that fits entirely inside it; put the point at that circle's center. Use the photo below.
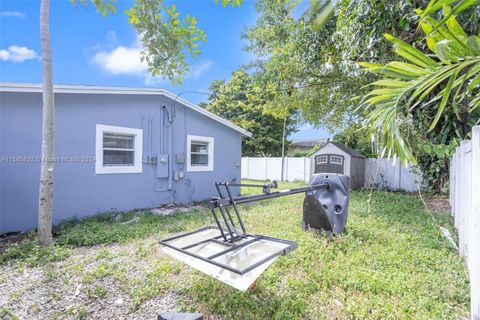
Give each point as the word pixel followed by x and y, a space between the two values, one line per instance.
pixel 10 238
pixel 439 205
pixel 119 281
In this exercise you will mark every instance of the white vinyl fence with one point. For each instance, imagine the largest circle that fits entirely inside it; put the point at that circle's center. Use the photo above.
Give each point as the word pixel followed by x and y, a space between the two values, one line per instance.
pixel 389 174
pixel 271 168
pixel 379 173
pixel 465 203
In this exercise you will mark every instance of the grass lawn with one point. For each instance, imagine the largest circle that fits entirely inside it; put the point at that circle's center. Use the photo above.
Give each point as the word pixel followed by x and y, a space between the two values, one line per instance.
pixel 391 264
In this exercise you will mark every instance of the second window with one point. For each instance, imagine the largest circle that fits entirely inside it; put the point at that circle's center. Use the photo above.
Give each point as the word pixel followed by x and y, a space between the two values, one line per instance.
pixel 200 153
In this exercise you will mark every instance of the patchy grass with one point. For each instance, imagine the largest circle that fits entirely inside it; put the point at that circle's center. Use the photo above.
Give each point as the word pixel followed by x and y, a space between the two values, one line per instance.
pixel 112 227
pixel 28 251
pixel 101 229
pixel 391 263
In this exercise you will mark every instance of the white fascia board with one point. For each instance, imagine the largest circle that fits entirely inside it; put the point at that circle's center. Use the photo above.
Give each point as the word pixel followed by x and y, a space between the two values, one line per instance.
pixel 62 88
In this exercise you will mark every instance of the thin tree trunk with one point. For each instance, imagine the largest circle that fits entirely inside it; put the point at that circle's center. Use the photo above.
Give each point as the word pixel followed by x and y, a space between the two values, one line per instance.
pixel 45 199
pixel 283 145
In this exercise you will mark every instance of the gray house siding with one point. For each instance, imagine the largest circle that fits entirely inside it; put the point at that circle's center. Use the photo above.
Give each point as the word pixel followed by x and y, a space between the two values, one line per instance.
pixel 78 191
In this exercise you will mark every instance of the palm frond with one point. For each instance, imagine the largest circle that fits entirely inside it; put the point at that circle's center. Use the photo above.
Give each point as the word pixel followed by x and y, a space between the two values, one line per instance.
pixel 444 78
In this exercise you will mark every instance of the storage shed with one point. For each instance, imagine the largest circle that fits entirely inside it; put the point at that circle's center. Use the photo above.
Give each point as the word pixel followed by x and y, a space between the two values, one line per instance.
pixel 335 157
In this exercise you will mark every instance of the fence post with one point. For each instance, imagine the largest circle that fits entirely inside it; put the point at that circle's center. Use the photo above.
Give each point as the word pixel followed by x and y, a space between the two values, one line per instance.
pixel 464 201
pixel 474 260
pixel 285 170
pixel 451 178
pixel 266 168
pixel 458 187
pixel 304 168
pixel 399 174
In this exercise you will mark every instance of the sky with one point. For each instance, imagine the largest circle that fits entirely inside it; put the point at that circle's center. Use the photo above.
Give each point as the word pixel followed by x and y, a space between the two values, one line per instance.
pixel 94 50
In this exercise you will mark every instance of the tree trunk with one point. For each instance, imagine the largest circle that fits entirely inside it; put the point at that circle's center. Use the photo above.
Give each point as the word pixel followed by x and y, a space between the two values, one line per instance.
pixel 45 199
pixel 283 146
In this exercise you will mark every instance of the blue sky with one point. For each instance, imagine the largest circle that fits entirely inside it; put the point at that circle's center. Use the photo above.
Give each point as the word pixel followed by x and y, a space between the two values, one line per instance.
pixel 90 49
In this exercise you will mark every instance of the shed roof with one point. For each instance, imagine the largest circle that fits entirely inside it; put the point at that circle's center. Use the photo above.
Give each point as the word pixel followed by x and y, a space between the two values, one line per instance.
pixel 351 152
pixel 86 89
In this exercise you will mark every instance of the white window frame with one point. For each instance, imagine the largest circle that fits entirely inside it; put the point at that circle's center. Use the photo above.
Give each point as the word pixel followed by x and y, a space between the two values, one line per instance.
pixel 137 155
pixel 332 157
pixel 211 154
pixel 321 159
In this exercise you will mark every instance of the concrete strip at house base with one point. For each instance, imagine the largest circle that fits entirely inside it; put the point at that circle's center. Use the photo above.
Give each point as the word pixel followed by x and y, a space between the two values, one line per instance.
pixel 116 148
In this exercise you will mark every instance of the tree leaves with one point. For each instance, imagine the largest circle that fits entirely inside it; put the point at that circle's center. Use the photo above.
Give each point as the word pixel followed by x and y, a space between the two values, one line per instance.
pixel 323 11
pixel 166 38
pixel 102 6
pixel 232 3
pixel 242 101
pixel 452 74
pixel 460 6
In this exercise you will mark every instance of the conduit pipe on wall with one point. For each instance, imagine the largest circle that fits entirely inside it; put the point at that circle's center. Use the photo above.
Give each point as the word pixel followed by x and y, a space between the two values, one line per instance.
pixel 170 150
pixel 163 114
pixel 162 150
pixel 162 136
pixel 150 128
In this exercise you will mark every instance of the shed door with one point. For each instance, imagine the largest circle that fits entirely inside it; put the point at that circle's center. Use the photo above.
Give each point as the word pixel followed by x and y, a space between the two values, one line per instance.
pixel 333 163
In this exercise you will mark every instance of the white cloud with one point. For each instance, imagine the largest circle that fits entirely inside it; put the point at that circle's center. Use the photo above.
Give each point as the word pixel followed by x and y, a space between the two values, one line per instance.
pixel 154 81
pixel 12 14
pixel 201 68
pixel 121 60
pixel 125 60
pixel 17 54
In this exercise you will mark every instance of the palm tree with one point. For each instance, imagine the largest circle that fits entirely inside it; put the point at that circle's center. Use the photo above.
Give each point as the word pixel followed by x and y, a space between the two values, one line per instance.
pixel 145 16
pixel 45 198
pixel 447 77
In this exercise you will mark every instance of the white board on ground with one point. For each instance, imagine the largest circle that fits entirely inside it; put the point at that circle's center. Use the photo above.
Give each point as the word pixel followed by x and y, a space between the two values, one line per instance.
pixel 238 259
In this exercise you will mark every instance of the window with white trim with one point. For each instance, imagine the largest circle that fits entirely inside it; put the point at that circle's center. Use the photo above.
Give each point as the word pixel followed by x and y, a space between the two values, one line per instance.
pixel 118 150
pixel 321 159
pixel 336 159
pixel 200 152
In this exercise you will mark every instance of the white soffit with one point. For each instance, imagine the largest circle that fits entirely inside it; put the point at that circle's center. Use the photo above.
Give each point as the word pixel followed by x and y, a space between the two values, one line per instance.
pixel 85 89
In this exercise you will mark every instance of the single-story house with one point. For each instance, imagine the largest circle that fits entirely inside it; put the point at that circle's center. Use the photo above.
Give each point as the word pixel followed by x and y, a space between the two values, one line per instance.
pixel 117 148
pixel 305 146
pixel 338 158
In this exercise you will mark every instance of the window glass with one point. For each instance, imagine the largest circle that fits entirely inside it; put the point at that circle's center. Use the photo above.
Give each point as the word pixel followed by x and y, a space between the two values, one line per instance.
pixel 321 159
pixel 118 149
pixel 199 153
pixel 336 159
pixel 114 140
pixel 118 158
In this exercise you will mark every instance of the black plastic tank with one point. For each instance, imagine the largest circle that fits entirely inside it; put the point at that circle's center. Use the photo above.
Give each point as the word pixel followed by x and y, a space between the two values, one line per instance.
pixel 327 208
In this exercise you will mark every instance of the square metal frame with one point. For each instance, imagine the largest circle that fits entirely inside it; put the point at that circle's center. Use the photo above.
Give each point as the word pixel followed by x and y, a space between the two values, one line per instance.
pixel 230 246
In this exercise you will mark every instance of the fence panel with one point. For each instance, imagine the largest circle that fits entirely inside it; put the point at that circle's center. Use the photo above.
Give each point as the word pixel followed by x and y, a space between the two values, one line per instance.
pixel 271 168
pixel 274 168
pixel 297 169
pixel 465 204
pixel 379 173
pixel 390 174
pixel 474 260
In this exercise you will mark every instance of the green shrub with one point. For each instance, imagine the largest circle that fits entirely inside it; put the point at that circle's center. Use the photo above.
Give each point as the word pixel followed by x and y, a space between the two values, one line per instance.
pixel 28 251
